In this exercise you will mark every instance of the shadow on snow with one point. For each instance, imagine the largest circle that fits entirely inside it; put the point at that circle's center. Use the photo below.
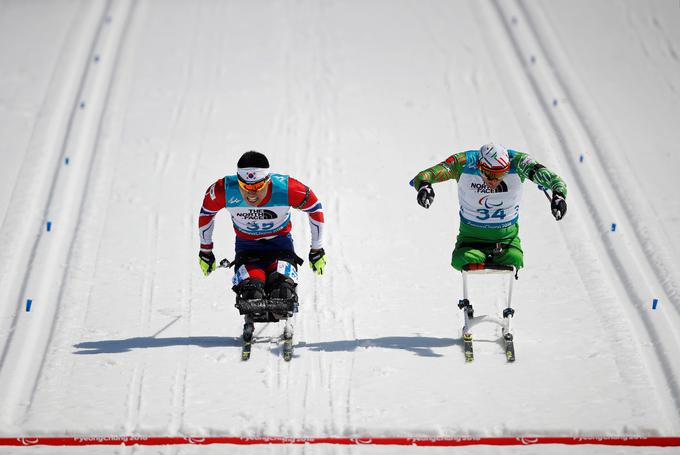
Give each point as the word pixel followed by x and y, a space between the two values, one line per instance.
pixel 419 345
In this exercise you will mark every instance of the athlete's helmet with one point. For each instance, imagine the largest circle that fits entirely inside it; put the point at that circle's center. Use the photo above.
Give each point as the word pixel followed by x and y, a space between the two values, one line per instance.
pixel 494 160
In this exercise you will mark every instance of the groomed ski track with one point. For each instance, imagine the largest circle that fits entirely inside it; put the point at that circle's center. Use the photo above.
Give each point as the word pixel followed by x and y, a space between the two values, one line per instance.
pixel 125 336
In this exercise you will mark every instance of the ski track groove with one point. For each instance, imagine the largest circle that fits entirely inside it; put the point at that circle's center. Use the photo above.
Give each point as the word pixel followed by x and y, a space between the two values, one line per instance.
pixel 53 183
pixel 145 313
pixel 149 272
pixel 179 397
pixel 27 242
pixel 660 268
pixel 133 400
pixel 658 359
pixel 664 42
pixel 658 271
pixel 180 390
pixel 90 71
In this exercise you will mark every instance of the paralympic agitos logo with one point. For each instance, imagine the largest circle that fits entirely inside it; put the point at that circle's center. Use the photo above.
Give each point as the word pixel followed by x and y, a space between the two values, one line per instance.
pixel 257 214
pixel 489 204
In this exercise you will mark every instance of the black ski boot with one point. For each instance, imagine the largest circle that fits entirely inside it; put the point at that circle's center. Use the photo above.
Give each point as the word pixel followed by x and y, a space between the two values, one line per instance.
pixel 249 296
pixel 283 300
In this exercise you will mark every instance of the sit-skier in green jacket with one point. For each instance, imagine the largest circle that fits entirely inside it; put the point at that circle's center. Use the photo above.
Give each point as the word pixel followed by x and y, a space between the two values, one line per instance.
pixel 490 192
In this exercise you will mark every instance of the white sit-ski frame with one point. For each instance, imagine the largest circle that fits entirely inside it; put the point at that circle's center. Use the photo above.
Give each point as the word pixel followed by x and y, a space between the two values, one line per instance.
pixel 511 271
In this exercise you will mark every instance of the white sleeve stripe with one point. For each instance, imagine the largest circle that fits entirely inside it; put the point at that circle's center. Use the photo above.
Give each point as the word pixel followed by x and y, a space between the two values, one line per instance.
pixel 205 232
pixel 317 233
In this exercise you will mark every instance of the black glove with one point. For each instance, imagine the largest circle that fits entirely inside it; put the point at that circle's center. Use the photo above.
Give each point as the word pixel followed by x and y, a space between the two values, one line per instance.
pixel 207 262
pixel 317 260
pixel 425 195
pixel 558 205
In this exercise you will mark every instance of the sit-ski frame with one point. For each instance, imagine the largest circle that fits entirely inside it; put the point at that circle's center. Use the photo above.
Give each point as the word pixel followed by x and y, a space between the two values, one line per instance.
pixel 468 312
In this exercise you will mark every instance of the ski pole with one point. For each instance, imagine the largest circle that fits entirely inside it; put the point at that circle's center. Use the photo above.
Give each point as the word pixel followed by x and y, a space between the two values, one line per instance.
pixel 225 264
pixel 545 191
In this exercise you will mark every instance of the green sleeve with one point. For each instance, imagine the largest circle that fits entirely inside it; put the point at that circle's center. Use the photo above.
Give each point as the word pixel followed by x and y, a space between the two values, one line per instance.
pixel 528 168
pixel 451 168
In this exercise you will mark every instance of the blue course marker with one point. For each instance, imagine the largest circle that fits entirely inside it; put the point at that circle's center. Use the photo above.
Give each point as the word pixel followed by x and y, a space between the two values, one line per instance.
pixel 654 302
pixel 580 159
pixel 29 302
pixel 613 227
pixel 82 104
pixel 49 226
pixel 66 160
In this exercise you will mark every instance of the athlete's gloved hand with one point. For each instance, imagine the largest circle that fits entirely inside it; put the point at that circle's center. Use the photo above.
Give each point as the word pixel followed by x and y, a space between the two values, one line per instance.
pixel 425 195
pixel 207 262
pixel 317 260
pixel 558 205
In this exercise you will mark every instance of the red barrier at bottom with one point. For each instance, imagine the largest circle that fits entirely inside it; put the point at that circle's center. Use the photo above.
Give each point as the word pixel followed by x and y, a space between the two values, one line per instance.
pixel 656 441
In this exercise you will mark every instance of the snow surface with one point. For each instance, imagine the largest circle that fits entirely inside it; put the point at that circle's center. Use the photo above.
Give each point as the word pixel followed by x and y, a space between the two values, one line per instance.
pixel 151 101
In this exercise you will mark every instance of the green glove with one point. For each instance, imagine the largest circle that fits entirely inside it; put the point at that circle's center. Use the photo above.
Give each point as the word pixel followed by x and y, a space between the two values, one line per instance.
pixel 317 260
pixel 207 262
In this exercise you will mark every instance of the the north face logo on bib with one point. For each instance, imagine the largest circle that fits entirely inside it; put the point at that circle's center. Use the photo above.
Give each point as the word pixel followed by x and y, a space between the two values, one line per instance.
pixel 482 188
pixel 257 214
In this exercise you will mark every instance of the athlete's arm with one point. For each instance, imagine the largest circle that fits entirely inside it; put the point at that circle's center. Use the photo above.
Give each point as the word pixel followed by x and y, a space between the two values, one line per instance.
pixel 529 168
pixel 451 168
pixel 213 201
pixel 301 197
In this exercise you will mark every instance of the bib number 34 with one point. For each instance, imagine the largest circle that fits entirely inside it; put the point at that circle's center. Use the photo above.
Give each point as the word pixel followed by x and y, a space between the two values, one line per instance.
pixel 485 214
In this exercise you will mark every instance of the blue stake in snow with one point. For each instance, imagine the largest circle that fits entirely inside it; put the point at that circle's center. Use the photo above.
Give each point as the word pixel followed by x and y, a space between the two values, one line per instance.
pixel 29 302
pixel 613 227
pixel 654 302
pixel 554 102
pixel 66 160
pixel 580 159
pixel 82 104
pixel 49 226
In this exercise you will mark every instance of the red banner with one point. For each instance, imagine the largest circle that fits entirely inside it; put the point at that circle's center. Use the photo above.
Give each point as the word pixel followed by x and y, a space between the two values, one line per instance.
pixel 648 441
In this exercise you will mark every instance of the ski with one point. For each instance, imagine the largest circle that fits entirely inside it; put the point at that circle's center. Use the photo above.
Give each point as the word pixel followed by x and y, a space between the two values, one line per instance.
pixel 248 329
pixel 509 347
pixel 287 349
pixel 467 344
pixel 245 351
pixel 288 340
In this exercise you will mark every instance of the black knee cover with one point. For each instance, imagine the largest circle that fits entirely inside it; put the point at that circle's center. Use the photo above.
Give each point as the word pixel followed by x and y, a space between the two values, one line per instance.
pixel 280 286
pixel 249 289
